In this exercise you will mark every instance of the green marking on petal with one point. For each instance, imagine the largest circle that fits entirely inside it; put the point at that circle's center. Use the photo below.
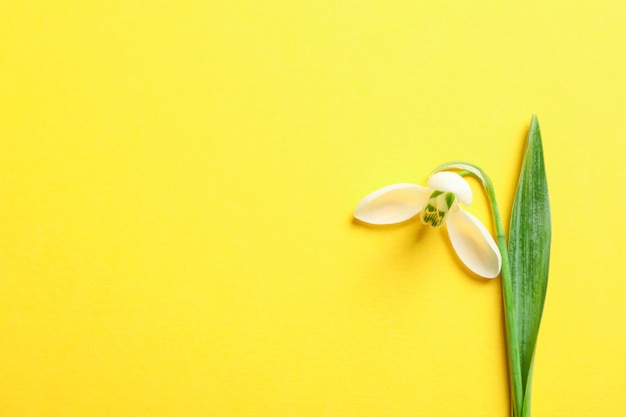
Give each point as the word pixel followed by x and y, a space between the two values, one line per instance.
pixel 437 208
pixel 449 199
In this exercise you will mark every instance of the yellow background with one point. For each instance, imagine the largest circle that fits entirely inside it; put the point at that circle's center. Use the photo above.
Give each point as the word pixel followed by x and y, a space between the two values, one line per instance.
pixel 176 186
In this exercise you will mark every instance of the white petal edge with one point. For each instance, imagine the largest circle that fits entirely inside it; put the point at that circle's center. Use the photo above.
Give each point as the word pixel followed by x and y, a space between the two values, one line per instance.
pixel 473 243
pixel 392 204
pixel 453 182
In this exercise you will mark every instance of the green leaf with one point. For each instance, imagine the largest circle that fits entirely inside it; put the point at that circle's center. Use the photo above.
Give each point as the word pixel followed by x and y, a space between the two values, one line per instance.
pixel 529 253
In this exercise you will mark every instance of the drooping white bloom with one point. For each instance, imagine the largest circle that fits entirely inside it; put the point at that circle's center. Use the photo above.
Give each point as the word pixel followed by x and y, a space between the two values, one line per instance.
pixel 437 204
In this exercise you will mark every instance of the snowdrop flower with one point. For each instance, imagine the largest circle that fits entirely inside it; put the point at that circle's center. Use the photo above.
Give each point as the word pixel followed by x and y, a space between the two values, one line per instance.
pixel 437 204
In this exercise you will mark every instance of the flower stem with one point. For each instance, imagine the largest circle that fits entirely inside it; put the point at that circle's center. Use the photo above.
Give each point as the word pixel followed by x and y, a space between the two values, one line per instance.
pixel 515 371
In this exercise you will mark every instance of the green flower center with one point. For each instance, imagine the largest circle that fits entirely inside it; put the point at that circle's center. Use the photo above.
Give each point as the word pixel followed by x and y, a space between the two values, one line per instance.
pixel 437 208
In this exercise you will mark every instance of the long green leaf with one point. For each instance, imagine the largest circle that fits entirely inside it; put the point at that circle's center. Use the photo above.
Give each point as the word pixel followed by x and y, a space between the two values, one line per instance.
pixel 529 253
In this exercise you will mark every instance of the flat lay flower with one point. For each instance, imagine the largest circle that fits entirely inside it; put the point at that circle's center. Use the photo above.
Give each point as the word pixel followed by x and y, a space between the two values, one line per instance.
pixel 437 204
pixel 522 261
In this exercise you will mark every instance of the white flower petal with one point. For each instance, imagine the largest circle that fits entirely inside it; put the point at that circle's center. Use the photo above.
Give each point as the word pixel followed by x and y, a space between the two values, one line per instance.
pixel 473 243
pixel 453 182
pixel 392 204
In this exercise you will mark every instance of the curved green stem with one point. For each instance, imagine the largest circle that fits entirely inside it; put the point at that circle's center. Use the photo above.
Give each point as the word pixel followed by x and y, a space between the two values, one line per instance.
pixel 515 371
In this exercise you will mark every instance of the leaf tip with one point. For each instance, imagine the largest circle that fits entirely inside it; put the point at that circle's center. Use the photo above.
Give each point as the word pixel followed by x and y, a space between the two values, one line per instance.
pixel 534 122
